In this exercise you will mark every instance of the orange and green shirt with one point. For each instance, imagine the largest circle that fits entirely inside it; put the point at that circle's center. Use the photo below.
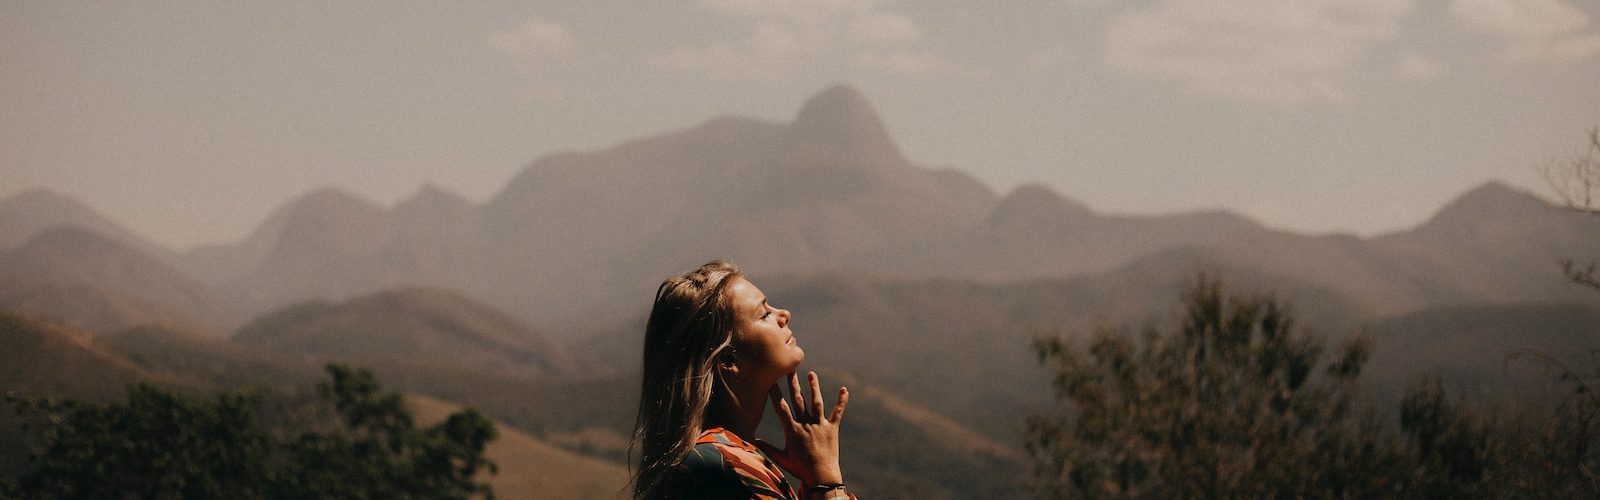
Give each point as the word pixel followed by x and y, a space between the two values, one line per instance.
pixel 723 466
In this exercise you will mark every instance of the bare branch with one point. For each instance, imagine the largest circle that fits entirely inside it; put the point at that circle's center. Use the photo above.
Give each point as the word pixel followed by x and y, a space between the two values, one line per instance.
pixel 1582 275
pixel 1576 180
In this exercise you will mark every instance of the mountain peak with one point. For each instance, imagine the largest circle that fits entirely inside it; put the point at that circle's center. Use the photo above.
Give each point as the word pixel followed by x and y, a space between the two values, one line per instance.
pixel 837 128
pixel 72 240
pixel 330 221
pixel 432 196
pixel 1490 201
pixel 1490 198
pixel 1032 203
pixel 330 197
pixel 1496 191
pixel 24 214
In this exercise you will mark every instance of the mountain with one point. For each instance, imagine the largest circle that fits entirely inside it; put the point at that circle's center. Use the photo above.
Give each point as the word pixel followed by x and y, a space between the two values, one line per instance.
pixel 1499 244
pixel 575 229
pixel 439 239
pixel 43 358
pixel 1486 352
pixel 837 129
pixel 24 215
pixel 1493 244
pixel 212 359
pixel 40 358
pixel 98 283
pixel 218 264
pixel 811 194
pixel 1035 232
pixel 330 244
pixel 829 192
pixel 413 326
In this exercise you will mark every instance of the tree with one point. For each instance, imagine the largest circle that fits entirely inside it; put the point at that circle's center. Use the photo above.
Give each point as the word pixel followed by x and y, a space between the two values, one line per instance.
pixel 1576 181
pixel 1232 404
pixel 383 454
pixel 1449 449
pixel 160 444
pixel 1567 438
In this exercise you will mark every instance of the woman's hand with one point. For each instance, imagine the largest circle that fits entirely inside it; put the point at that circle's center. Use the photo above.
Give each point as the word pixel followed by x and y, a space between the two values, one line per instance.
pixel 810 440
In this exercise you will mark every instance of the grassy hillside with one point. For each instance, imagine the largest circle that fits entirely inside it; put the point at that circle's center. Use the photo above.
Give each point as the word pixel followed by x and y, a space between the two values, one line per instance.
pixel 531 468
pixel 215 360
pixel 40 358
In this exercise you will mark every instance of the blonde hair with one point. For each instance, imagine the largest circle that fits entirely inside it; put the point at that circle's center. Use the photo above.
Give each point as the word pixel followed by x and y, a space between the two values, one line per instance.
pixel 690 326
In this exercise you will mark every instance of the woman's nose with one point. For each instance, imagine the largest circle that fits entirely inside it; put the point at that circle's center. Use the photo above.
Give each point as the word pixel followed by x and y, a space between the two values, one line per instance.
pixel 783 317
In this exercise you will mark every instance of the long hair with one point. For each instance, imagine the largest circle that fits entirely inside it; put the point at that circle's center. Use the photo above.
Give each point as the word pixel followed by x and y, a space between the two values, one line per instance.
pixel 690 326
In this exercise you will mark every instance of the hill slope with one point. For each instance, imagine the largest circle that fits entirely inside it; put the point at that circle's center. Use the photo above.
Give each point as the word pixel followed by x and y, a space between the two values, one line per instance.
pixel 530 468
pixel 95 282
pixel 419 326
pixel 25 214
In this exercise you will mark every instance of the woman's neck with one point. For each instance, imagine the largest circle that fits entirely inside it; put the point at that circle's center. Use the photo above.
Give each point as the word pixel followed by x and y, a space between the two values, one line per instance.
pixel 739 412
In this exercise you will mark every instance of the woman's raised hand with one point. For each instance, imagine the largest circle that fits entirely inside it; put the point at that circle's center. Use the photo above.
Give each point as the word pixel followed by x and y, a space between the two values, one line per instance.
pixel 810 439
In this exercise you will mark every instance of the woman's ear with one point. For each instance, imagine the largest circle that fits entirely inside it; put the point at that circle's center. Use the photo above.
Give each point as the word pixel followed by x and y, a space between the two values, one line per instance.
pixel 727 362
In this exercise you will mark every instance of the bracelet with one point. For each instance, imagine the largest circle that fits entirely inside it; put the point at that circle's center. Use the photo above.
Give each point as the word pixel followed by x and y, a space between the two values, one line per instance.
pixel 824 488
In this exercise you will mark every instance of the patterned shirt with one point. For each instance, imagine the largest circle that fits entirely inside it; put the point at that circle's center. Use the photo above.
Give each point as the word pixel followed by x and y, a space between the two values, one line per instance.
pixel 722 466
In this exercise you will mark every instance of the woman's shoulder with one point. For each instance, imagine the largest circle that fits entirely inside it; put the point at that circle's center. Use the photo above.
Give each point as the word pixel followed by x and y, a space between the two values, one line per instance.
pixel 717 450
pixel 720 460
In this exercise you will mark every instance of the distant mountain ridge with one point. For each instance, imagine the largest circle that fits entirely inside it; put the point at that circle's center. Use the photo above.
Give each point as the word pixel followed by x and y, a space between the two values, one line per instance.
pixel 830 191
pixel 24 215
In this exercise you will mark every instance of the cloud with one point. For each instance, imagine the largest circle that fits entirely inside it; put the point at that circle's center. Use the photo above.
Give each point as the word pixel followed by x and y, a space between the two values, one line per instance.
pixel 533 48
pixel 913 62
pixel 771 51
pixel 536 39
pixel 883 28
pixel 1415 67
pixel 787 36
pixel 1550 31
pixel 1281 51
pixel 1050 57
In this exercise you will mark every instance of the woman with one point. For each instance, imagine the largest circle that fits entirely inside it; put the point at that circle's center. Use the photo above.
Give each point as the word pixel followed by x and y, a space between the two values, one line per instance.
pixel 714 350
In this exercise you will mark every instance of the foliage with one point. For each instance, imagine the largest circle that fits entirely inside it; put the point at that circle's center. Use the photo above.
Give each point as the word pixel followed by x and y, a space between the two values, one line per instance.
pixel 161 444
pixel 1449 447
pixel 158 442
pixel 1232 404
pixel 1557 447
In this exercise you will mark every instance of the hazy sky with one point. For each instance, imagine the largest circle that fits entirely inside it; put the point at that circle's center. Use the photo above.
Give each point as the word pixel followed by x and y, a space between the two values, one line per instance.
pixel 190 121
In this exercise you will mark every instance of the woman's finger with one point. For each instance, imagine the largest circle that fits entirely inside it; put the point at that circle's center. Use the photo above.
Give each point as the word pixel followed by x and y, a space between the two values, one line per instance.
pixel 816 396
pixel 794 391
pixel 838 408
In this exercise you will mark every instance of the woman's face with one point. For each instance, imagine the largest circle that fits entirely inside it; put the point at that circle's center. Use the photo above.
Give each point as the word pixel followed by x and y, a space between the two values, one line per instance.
pixel 763 345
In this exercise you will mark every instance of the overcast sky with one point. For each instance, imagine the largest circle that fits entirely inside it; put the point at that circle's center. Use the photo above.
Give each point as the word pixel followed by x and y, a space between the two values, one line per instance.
pixel 190 121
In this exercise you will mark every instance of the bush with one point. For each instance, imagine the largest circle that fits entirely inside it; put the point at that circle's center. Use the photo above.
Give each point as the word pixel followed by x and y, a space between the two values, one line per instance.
pixel 160 444
pixel 1233 404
